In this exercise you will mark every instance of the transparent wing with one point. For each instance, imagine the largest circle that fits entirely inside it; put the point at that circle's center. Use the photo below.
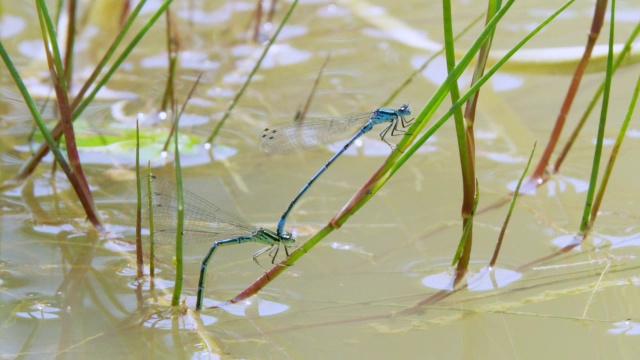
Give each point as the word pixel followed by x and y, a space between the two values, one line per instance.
pixel 204 222
pixel 292 136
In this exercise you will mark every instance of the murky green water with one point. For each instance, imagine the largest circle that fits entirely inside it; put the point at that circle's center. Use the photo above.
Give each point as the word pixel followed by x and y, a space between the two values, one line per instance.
pixel 70 292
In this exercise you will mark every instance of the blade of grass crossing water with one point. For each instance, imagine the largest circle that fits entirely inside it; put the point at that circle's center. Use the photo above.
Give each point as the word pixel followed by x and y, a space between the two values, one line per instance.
pixel 510 211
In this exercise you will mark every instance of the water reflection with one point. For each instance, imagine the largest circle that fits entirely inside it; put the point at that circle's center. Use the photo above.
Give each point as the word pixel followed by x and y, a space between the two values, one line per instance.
pixel 278 55
pixel 485 279
pixel 11 25
pixel 189 59
pixel 37 310
pixel 556 185
pixel 598 241
pixel 214 17
pixel 626 327
pixel 250 307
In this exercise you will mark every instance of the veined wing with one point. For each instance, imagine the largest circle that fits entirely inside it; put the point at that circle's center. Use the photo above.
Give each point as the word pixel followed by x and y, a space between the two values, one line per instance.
pixel 292 136
pixel 203 221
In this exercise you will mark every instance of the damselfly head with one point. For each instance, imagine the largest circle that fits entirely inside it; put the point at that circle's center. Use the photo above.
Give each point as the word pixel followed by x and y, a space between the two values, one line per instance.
pixel 287 238
pixel 404 110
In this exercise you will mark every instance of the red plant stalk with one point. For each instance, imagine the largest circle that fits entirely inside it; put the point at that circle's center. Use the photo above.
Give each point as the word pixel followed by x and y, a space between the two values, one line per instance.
pixel 76 175
pixel 540 174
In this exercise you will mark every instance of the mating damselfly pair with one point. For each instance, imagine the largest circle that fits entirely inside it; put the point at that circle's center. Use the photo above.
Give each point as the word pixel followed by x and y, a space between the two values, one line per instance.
pixel 207 222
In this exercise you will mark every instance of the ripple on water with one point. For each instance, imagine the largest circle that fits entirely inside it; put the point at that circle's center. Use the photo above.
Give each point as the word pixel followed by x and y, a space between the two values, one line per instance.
pixel 556 185
pixel 164 319
pixel 128 272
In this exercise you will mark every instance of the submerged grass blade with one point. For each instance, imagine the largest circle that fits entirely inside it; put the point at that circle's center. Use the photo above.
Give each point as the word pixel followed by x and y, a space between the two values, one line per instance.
pixel 152 232
pixel 503 230
pixel 300 115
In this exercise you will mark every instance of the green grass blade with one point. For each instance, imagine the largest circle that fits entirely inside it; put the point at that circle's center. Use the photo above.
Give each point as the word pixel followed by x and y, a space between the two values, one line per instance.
pixel 613 156
pixel 177 290
pixel 51 38
pixel 467 229
pixel 139 258
pixel 597 156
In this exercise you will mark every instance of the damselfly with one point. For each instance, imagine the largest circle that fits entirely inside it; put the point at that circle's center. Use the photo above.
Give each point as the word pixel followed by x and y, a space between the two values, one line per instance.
pixel 296 136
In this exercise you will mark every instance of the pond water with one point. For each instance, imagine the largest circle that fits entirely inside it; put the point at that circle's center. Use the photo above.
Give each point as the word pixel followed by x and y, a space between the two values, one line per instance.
pixel 69 291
